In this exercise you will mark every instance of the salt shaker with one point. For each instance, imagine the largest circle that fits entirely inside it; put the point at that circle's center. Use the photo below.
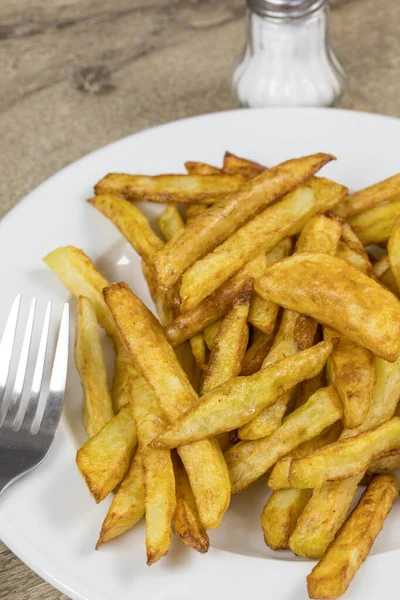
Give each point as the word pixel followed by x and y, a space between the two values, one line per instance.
pixel 288 59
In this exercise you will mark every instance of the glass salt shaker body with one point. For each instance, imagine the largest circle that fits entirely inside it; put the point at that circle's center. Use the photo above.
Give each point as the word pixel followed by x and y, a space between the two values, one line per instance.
pixel 288 59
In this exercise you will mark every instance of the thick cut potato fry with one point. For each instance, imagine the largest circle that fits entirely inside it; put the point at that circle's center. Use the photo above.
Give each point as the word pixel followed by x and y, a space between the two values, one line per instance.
pixel 199 350
pixel 155 358
pixel 162 301
pixel 121 385
pixel 127 507
pixel 386 190
pixel 81 278
pixel 280 516
pixel 204 189
pixel 338 295
pixel 381 266
pixel 131 222
pixel 211 228
pixel 89 360
pixel 210 333
pixel 394 253
pixel 188 526
pixel 375 225
pixel 262 233
pixel 230 344
pixel 351 369
pixel 158 471
pixel 333 574
pixel 216 305
pixel 194 210
pixel 344 458
pixel 200 168
pixel 235 164
pixel 263 314
pixel 279 477
pixel 256 354
pixel 329 505
pixel 385 464
pixel 170 222
pixel 359 261
pixel 307 388
pixel 247 461
pixel 234 403
pixel 104 470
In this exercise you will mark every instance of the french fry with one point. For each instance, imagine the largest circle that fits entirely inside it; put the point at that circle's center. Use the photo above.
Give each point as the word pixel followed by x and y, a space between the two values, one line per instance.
pixel 89 360
pixel 344 458
pixel 329 505
pixel 355 259
pixel 162 301
pixel 127 507
pixel 247 461
pixel 170 222
pixel 200 168
pixel 262 233
pixel 280 516
pixel 203 189
pixel 256 354
pixel 227 215
pixel 355 306
pixel 388 280
pixel 210 333
pixel 296 332
pixel 384 464
pixel 375 225
pixel 199 350
pixel 194 210
pixel 279 476
pixel 263 314
pixel 215 306
pixel 230 344
pixel 158 471
pixel 235 164
pixel 307 388
pixel 101 469
pixel 351 369
pixel 234 403
pixel 333 574
pixel 156 360
pixel 394 253
pixel 188 526
pixel 386 190
pixel 381 266
pixel 121 385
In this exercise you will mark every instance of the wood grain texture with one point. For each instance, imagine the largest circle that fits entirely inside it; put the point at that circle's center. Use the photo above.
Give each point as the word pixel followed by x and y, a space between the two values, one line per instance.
pixel 78 74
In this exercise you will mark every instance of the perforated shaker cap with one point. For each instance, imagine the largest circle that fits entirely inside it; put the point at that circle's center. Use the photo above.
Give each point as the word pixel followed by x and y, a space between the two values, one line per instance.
pixel 285 9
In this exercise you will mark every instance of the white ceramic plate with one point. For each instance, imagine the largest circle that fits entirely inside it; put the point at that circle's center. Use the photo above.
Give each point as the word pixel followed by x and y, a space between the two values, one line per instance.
pixel 48 518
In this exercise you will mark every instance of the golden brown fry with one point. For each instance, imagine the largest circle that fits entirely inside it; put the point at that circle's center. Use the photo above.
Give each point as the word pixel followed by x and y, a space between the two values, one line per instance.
pixel 280 516
pixel 170 222
pixel 204 189
pixel 356 306
pixel 386 190
pixel 344 458
pixel 351 369
pixel 162 301
pixel 230 344
pixel 101 469
pixel 216 305
pixel 333 574
pixel 235 402
pixel 89 360
pixel 81 278
pixel 200 168
pixel 127 507
pixel 262 233
pixel 247 461
pixel 375 225
pixel 385 464
pixel 210 333
pixel 186 519
pixel 394 253
pixel 121 386
pixel 158 471
pixel 263 314
pixel 256 354
pixel 279 477
pixel 194 210
pixel 307 388
pixel 381 266
pixel 199 350
pixel 359 261
pixel 156 359
pixel 131 222
pixel 227 215
pixel 235 164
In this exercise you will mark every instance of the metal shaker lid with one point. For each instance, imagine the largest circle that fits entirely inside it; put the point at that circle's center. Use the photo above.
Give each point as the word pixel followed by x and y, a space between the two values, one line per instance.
pixel 285 9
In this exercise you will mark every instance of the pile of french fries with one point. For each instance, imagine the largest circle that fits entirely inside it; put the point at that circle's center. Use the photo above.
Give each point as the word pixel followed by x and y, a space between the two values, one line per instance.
pixel 276 355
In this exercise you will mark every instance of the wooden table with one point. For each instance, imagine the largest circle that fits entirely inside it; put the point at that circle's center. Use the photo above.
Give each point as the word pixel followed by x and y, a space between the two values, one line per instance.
pixel 78 74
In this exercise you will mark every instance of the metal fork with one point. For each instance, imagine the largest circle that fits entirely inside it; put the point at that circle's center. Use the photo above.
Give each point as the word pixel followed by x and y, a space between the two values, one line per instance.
pixel 25 436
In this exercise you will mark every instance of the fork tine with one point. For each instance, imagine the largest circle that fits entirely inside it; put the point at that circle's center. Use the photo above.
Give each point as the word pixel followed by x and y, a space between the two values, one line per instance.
pixel 7 346
pixel 34 395
pixel 55 398
pixel 21 369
